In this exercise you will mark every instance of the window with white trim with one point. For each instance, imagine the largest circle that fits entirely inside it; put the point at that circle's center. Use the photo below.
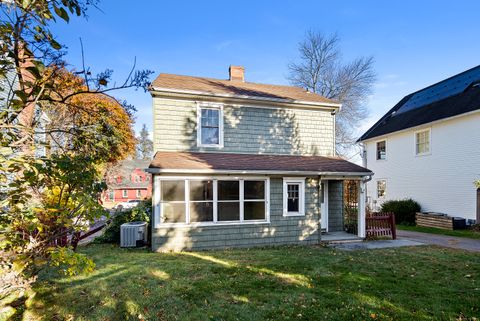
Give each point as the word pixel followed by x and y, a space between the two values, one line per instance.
pixel 381 188
pixel 139 193
pixel 124 193
pixel 213 200
pixel 382 150
pixel 172 201
pixel 210 125
pixel 293 197
pixel 422 142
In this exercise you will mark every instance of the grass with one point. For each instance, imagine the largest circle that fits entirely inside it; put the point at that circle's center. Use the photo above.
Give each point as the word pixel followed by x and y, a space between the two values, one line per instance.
pixel 284 283
pixel 459 233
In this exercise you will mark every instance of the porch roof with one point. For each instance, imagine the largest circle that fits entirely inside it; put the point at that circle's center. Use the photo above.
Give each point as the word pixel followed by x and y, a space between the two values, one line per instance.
pixel 231 163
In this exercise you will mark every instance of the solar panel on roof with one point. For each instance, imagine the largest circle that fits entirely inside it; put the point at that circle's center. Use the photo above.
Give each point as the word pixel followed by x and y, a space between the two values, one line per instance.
pixel 444 89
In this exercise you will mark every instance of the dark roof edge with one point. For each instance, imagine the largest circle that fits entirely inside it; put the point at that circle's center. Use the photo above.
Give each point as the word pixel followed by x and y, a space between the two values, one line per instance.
pixel 400 103
pixel 384 117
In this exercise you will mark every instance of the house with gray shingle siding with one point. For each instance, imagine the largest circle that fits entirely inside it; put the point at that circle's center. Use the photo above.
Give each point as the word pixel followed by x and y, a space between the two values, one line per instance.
pixel 242 164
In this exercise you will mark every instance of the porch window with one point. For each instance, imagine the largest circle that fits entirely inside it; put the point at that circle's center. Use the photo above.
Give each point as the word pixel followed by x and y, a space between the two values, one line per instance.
pixel 382 150
pixel 422 142
pixel 381 188
pixel 228 200
pixel 254 200
pixel 201 201
pixel 213 200
pixel 293 197
pixel 210 126
pixel 172 201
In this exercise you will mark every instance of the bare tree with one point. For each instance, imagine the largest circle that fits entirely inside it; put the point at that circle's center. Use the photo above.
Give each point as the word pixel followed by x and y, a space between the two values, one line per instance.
pixel 322 70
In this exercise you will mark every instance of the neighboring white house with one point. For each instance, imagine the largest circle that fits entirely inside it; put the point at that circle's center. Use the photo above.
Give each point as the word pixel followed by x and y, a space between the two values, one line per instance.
pixel 427 147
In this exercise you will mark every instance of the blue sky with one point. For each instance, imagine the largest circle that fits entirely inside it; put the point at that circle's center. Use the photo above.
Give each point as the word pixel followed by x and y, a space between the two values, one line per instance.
pixel 415 43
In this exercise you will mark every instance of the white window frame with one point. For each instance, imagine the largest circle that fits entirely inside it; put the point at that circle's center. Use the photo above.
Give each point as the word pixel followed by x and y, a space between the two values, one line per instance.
pixel 376 187
pixel 429 130
pixel 219 107
pixel 124 191
pixel 157 208
pixel 376 149
pixel 301 195
pixel 138 193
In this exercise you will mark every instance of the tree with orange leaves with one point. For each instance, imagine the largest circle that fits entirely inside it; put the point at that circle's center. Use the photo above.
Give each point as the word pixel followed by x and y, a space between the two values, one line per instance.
pixel 85 117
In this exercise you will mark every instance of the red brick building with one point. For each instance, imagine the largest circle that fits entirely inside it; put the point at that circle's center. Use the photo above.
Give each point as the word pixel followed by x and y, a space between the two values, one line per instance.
pixel 127 181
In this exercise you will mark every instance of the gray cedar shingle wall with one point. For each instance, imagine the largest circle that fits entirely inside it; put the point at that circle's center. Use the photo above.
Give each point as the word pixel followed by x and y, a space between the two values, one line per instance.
pixel 335 206
pixel 281 230
pixel 246 129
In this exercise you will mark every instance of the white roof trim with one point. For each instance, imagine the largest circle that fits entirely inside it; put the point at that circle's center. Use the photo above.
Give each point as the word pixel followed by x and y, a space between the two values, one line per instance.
pixel 419 127
pixel 206 93
pixel 256 172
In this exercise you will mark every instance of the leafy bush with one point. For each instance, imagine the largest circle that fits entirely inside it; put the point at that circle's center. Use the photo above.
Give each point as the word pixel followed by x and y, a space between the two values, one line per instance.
pixel 142 212
pixel 404 210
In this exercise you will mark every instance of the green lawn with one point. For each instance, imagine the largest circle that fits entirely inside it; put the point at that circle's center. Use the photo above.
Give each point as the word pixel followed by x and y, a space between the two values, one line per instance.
pixel 460 233
pixel 285 283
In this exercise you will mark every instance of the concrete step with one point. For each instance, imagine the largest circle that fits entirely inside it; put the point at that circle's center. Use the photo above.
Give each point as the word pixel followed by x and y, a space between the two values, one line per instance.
pixel 342 241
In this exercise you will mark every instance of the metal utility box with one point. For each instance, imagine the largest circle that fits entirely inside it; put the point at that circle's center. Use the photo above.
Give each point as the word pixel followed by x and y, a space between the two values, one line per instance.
pixel 133 234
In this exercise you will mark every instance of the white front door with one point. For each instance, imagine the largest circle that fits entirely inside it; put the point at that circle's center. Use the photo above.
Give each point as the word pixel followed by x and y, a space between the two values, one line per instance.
pixel 324 206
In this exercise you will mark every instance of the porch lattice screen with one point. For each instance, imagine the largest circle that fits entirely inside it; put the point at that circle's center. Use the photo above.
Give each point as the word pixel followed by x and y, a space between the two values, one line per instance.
pixel 350 203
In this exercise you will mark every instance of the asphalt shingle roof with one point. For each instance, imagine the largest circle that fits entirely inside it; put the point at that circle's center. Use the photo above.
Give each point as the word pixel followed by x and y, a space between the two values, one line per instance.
pixel 237 88
pixel 253 162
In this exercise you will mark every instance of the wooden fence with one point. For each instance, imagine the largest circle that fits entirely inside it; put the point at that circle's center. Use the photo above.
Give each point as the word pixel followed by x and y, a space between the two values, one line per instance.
pixel 381 225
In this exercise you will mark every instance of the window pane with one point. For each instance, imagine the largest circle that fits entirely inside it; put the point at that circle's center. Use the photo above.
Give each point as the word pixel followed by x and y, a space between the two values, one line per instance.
pixel 228 190
pixel 228 211
pixel 254 211
pixel 381 150
pixel 172 190
pixel 173 212
pixel 201 212
pixel 293 192
pixel 381 187
pixel 201 190
pixel 254 190
pixel 210 135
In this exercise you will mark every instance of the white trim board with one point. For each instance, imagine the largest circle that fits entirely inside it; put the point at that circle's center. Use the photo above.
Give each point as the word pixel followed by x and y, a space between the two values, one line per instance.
pixel 419 127
pixel 159 91
pixel 334 175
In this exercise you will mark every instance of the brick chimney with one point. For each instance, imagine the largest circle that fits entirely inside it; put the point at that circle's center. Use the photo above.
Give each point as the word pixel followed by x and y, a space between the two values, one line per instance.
pixel 237 73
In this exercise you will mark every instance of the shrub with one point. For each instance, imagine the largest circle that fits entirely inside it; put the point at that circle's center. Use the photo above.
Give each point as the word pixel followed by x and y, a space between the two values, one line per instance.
pixel 404 210
pixel 142 212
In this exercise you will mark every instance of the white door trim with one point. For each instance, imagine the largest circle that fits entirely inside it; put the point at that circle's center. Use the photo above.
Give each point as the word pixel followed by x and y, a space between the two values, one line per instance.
pixel 324 206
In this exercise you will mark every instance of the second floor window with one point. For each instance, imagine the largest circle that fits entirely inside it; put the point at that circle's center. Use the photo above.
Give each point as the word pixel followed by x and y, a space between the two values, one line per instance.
pixel 210 129
pixel 422 142
pixel 381 150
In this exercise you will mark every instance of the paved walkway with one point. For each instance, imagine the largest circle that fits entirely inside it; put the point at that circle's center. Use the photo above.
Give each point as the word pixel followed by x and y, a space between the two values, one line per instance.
pixel 441 240
pixel 370 245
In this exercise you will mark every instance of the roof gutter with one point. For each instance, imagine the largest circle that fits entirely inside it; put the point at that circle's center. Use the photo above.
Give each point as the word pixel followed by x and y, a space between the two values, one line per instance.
pixel 256 172
pixel 160 90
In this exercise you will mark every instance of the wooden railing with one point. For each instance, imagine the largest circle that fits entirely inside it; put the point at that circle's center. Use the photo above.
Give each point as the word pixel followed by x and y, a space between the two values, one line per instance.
pixel 381 225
